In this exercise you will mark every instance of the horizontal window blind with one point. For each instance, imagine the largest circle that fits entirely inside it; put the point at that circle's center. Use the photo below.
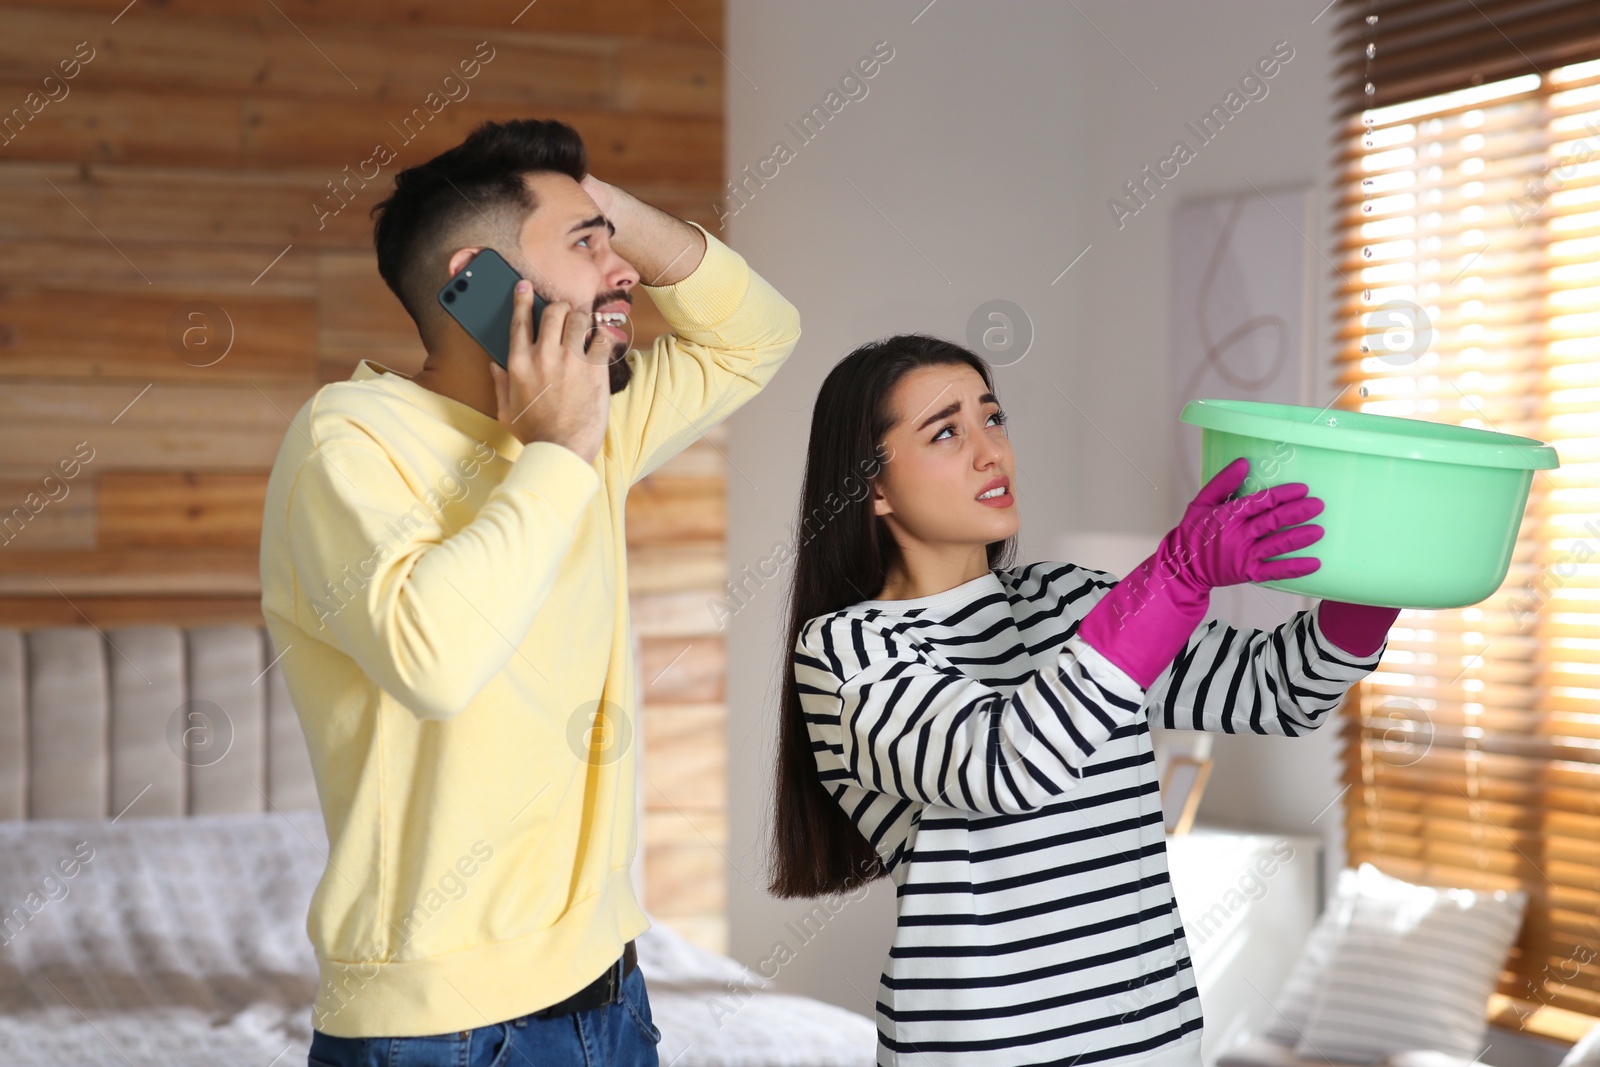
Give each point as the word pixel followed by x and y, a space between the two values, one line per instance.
pixel 1430 47
pixel 1468 253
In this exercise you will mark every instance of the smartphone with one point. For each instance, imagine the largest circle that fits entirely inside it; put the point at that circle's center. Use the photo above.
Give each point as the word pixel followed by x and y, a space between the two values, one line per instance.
pixel 480 298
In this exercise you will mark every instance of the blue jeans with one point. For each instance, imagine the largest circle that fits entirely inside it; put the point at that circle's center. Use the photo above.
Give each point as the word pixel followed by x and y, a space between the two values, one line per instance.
pixel 618 1034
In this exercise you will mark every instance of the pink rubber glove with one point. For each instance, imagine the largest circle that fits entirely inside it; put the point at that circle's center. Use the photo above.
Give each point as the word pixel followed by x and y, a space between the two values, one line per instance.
pixel 1144 621
pixel 1359 629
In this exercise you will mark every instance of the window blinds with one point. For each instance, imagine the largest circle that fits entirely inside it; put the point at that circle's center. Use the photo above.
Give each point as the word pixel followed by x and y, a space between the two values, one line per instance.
pixel 1467 234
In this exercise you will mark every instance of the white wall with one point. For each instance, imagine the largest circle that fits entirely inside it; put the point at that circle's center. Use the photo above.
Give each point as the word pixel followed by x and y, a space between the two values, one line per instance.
pixel 978 166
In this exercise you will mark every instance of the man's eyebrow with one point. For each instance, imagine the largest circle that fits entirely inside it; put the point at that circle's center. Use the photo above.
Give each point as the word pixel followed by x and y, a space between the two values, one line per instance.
pixel 597 221
pixel 953 407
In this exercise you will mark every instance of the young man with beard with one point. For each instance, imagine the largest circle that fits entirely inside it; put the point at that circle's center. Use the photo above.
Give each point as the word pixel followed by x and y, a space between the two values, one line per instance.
pixel 443 572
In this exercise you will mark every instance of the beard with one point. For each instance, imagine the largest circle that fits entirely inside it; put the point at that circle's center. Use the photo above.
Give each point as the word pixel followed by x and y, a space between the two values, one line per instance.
pixel 621 371
pixel 617 363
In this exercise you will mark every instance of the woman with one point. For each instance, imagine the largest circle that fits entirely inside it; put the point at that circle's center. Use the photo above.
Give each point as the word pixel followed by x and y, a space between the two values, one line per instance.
pixel 980 731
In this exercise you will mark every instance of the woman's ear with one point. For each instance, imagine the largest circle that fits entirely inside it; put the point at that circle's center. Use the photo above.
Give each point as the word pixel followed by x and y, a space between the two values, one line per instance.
pixel 880 503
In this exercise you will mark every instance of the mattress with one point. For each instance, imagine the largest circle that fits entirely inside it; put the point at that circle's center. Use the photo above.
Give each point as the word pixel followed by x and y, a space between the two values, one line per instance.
pixel 172 942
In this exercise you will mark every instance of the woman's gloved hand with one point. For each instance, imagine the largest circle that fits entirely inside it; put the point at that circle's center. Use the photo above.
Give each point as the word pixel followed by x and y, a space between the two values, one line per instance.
pixel 1358 629
pixel 1143 621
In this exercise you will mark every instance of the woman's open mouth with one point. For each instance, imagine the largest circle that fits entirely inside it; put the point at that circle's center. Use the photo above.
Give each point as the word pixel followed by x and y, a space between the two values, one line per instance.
pixel 997 494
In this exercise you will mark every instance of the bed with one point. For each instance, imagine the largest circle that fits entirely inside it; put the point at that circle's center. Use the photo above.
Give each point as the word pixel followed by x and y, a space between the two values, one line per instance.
pixel 152 908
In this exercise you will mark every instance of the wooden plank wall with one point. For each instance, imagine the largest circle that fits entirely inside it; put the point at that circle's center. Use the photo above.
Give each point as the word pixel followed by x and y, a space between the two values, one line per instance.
pixel 174 199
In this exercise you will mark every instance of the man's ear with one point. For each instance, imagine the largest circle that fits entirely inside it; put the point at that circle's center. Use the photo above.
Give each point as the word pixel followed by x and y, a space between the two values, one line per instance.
pixel 461 257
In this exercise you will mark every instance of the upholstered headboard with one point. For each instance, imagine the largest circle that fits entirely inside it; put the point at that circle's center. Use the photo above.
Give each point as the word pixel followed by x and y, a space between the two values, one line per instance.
pixel 147 720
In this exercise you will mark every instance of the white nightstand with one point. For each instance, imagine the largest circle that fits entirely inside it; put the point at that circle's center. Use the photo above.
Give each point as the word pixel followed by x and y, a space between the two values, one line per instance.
pixel 1248 901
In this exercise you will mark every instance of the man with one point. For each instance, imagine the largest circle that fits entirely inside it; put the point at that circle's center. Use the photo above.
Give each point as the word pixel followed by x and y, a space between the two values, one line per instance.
pixel 443 574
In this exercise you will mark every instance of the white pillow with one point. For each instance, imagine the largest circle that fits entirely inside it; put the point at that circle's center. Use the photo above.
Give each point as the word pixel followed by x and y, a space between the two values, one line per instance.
pixel 1586 1053
pixel 1424 1058
pixel 1293 1005
pixel 1414 971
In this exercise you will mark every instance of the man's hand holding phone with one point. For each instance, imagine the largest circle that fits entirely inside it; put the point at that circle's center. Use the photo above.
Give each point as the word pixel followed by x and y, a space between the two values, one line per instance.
pixel 549 391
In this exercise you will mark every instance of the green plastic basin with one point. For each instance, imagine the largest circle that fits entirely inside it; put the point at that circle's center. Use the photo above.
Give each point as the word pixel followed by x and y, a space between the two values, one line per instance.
pixel 1416 514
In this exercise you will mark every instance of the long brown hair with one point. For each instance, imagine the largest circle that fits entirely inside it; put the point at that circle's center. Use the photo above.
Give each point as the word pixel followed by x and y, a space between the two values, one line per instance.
pixel 843 554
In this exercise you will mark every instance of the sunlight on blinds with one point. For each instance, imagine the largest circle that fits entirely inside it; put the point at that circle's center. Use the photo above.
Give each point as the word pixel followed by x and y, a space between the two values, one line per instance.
pixel 1469 228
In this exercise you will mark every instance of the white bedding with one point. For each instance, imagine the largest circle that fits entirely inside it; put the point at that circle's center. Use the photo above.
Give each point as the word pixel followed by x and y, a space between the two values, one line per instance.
pixel 181 941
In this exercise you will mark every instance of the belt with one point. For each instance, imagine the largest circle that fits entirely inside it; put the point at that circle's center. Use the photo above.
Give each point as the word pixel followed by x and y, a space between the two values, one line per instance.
pixel 603 990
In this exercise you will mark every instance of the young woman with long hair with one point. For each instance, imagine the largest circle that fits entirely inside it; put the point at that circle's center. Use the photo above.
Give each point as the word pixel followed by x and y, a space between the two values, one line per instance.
pixel 980 732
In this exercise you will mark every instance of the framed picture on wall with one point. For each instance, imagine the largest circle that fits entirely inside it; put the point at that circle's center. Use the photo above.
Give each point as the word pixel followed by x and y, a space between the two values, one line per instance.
pixel 1240 297
pixel 1180 791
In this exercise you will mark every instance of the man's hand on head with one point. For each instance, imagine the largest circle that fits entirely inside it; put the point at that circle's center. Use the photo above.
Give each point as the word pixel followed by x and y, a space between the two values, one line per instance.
pixel 663 248
pixel 600 192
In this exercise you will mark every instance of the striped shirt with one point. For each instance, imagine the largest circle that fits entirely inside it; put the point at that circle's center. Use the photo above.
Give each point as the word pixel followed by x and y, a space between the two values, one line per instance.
pixel 1002 767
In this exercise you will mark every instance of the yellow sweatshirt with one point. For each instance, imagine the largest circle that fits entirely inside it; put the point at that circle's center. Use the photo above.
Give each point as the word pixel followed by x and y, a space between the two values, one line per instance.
pixel 451 611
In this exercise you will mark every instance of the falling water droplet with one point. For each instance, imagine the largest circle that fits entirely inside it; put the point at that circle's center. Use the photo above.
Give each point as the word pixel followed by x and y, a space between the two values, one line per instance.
pixel 1366 183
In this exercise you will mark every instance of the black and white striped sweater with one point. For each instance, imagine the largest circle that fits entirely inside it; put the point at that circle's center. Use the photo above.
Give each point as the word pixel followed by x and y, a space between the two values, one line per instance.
pixel 1002 767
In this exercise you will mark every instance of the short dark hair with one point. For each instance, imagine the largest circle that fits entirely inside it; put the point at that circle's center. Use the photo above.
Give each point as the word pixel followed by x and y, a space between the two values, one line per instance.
pixel 472 194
